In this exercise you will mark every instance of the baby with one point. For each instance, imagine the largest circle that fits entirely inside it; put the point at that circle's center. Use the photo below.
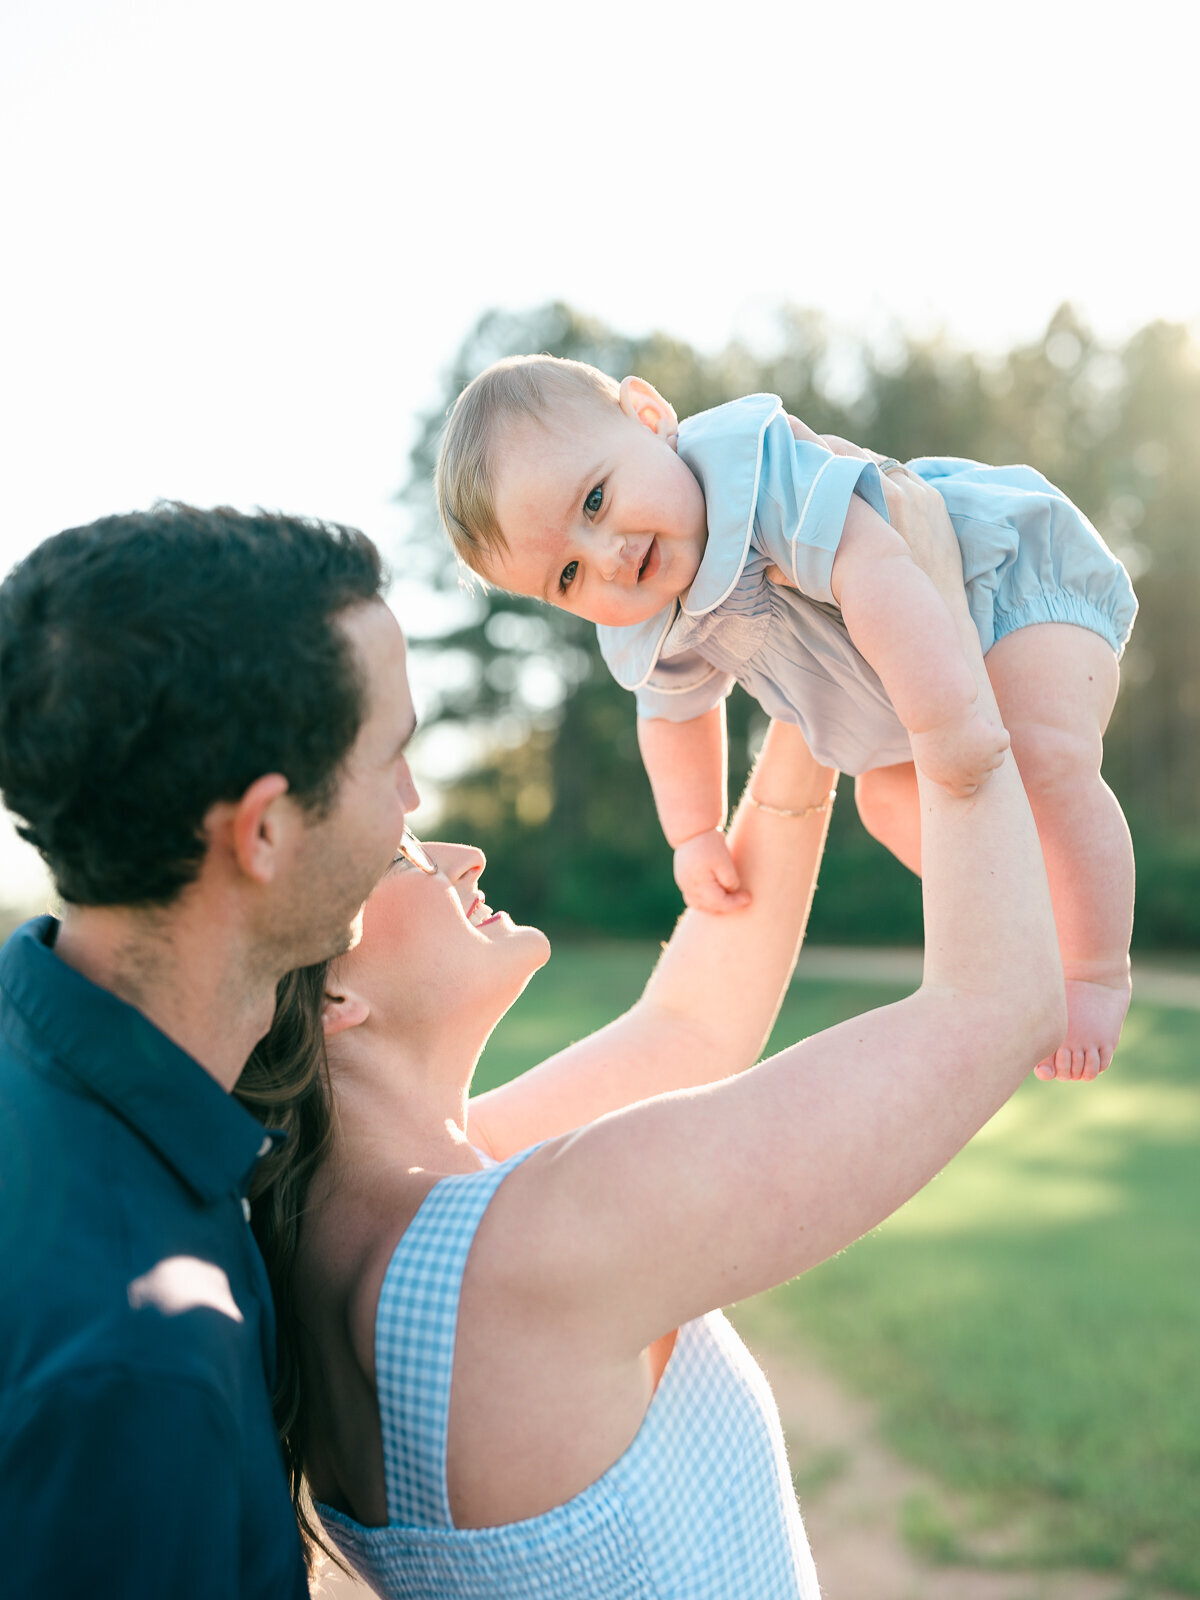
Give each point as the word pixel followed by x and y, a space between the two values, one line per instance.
pixel 727 548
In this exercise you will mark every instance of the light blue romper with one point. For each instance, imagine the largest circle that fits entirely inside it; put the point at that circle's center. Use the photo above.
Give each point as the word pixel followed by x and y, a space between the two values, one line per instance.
pixel 699 1507
pixel 1029 556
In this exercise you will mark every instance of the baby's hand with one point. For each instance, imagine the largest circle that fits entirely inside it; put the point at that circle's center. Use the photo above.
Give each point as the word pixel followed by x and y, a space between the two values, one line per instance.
pixel 962 753
pixel 706 875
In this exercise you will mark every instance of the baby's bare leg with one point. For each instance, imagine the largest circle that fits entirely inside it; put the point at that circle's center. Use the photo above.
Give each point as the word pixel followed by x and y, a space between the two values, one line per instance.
pixel 1056 685
pixel 887 805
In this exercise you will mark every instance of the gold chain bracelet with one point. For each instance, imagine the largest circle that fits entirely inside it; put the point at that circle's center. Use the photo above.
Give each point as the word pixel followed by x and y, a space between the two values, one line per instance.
pixel 809 811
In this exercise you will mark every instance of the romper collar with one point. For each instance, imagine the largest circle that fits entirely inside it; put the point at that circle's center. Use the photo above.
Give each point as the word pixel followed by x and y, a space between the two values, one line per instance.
pixel 724 447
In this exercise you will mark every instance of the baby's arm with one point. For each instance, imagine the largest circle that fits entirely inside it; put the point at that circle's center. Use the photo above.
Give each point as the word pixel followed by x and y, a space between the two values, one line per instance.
pixel 902 626
pixel 685 762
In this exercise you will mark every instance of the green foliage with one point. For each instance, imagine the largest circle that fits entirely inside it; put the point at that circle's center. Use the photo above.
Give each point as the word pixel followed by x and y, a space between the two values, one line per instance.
pixel 588 984
pixel 559 800
pixel 584 987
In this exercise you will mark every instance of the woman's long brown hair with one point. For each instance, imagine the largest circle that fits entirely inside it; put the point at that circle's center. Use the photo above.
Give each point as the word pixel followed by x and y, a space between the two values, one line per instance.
pixel 285 1084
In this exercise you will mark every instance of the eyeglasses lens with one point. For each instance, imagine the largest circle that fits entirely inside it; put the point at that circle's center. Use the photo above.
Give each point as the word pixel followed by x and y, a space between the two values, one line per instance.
pixel 414 854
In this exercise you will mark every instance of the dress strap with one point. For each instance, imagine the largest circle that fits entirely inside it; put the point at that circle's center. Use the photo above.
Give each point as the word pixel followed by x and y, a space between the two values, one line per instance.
pixel 415 1326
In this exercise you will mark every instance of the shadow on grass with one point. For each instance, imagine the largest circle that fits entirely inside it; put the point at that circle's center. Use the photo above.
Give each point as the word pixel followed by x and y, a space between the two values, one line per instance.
pixel 1028 1324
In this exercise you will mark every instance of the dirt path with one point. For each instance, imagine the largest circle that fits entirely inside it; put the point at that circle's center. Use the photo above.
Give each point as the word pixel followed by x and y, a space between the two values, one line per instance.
pixel 854 1490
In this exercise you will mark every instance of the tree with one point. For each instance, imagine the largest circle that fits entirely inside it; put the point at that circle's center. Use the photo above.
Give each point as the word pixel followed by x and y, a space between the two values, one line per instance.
pixel 558 798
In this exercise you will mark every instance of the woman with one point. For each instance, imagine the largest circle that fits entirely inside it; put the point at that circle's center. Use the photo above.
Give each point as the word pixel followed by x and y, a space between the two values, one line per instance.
pixel 512 1380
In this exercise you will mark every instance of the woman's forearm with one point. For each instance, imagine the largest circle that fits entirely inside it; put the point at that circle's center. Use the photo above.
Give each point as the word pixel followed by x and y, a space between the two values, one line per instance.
pixel 709 1005
pixel 728 974
pixel 755 1179
pixel 999 941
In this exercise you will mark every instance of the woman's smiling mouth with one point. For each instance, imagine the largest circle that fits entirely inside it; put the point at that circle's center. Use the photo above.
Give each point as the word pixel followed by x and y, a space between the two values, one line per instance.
pixel 480 913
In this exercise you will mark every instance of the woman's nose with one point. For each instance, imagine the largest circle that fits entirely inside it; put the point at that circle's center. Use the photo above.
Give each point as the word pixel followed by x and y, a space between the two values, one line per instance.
pixel 458 861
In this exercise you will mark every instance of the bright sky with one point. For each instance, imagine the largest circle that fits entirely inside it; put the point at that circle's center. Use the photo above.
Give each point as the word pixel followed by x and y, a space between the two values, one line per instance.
pixel 242 239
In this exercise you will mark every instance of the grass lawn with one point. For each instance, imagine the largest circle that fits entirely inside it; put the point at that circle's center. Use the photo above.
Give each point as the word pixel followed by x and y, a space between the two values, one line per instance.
pixel 1030 1323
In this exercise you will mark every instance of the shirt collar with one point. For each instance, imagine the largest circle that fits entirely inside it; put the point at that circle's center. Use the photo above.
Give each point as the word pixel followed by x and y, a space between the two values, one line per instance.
pixel 210 1141
pixel 724 448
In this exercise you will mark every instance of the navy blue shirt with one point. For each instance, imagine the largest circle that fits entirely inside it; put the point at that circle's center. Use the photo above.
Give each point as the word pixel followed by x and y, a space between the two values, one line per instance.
pixel 138 1455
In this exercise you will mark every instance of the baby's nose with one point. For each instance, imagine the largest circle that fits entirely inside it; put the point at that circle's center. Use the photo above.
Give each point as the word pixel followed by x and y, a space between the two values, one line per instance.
pixel 614 558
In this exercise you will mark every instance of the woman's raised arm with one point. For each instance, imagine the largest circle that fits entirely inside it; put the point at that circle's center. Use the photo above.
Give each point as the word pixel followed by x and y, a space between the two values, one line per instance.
pixel 709 1005
pixel 666 1210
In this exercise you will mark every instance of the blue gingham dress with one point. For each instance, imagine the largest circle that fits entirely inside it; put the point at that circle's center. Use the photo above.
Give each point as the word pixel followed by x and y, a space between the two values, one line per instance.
pixel 700 1506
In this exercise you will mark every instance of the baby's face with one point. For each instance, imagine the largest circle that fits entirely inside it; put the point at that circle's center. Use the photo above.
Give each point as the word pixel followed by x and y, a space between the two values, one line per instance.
pixel 600 515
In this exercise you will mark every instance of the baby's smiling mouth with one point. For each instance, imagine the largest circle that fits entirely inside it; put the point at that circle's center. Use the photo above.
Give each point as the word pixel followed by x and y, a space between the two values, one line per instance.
pixel 645 561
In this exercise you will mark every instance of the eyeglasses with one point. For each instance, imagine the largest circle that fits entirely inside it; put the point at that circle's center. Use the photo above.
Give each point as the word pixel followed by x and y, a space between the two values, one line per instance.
pixel 412 853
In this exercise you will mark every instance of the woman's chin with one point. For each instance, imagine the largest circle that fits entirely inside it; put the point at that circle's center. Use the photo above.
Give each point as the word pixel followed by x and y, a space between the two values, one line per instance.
pixel 501 925
pixel 535 943
pixel 535 948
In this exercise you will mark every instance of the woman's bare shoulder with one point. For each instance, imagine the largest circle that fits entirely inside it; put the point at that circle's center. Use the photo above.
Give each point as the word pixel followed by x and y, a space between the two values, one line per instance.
pixel 350 1237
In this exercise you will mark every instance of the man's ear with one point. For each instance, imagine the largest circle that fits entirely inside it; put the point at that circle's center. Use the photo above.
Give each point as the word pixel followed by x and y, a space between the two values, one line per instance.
pixel 642 402
pixel 342 1009
pixel 257 824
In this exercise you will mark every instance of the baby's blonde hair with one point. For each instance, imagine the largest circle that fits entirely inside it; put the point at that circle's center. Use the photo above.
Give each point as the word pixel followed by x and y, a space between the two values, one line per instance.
pixel 518 386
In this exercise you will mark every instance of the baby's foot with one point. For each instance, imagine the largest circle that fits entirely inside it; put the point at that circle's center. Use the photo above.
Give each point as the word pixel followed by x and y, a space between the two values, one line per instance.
pixel 1095 1011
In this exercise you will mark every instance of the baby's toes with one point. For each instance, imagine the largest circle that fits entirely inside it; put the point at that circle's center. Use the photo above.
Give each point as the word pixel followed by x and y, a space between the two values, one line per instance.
pixel 1068 1064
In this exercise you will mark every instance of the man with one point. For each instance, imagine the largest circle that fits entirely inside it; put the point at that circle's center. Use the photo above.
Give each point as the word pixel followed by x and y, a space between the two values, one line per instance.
pixel 203 718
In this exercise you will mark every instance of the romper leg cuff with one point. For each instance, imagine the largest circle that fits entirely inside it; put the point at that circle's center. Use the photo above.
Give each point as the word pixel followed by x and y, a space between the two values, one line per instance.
pixel 1058 605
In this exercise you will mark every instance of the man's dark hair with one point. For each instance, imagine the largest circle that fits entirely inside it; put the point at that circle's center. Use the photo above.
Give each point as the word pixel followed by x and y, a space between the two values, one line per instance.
pixel 154 664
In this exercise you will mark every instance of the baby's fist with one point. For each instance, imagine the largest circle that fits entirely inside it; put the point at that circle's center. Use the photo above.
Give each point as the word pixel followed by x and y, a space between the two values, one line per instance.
pixel 962 753
pixel 706 875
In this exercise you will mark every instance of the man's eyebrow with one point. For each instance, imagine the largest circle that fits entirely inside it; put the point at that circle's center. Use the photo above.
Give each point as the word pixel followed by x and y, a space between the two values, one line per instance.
pixel 406 738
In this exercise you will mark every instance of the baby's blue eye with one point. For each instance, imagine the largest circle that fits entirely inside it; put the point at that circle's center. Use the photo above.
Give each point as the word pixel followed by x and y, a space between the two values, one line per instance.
pixel 594 500
pixel 566 576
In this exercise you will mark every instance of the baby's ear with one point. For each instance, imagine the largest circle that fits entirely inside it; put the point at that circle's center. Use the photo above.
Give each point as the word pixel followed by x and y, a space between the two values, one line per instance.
pixel 642 402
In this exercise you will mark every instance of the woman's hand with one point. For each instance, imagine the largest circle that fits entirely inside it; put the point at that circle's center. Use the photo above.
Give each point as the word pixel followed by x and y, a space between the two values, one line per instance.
pixel 915 509
pixel 918 513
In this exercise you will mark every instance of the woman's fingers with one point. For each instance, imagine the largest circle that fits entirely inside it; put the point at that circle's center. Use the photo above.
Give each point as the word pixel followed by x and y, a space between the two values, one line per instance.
pixel 918 514
pixel 801 430
pixel 916 511
pixel 844 447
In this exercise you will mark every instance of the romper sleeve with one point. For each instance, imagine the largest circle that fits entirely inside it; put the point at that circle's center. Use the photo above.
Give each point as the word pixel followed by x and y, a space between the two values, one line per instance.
pixel 803 497
pixel 682 688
